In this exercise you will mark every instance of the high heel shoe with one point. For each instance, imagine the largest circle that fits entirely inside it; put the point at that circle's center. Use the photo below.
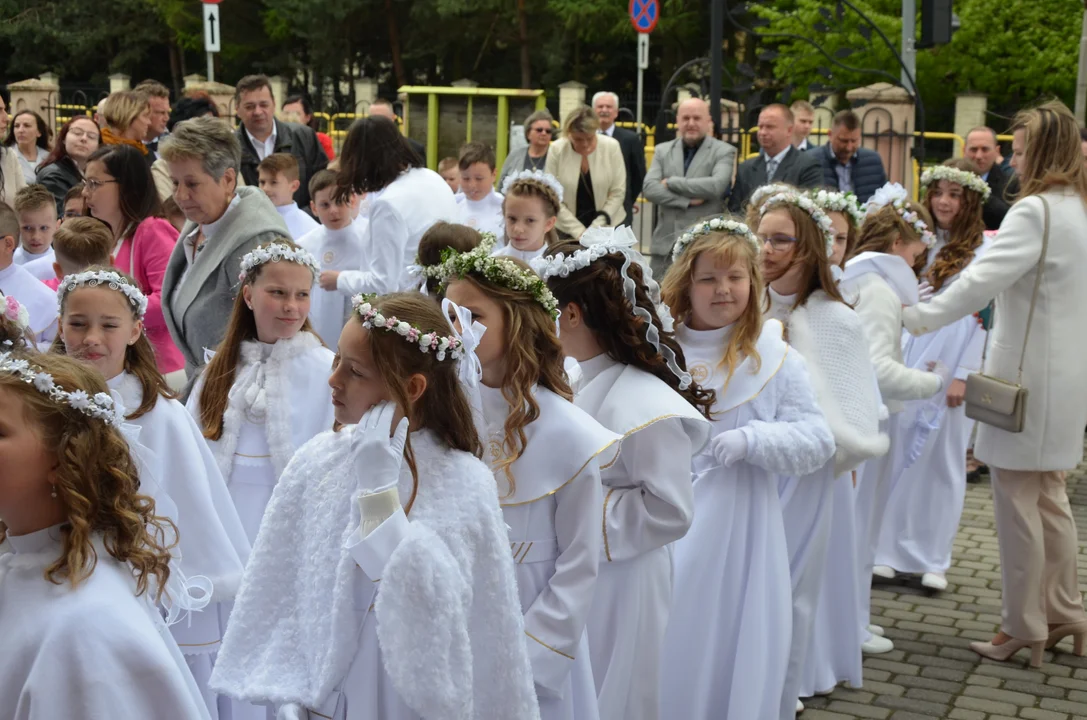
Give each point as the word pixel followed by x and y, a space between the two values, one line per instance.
pixel 1004 651
pixel 1078 631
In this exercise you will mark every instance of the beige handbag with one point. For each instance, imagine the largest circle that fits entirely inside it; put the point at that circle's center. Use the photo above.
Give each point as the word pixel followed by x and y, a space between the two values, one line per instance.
pixel 994 401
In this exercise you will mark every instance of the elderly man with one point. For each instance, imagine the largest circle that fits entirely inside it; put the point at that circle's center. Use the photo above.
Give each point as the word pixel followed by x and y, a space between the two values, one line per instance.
pixel 984 151
pixel 384 108
pixel 261 135
pixel 803 119
pixel 846 165
pixel 158 98
pixel 606 105
pixel 687 181
pixel 777 161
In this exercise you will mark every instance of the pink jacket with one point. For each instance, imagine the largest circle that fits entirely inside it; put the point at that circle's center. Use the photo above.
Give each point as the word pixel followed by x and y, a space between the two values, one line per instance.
pixel 144 256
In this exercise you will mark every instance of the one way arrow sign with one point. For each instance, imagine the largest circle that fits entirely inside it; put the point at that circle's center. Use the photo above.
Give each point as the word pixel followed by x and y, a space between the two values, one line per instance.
pixel 212 28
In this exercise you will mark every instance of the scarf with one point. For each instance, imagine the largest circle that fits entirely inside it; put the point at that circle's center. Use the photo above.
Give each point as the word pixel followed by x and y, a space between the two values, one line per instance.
pixel 111 138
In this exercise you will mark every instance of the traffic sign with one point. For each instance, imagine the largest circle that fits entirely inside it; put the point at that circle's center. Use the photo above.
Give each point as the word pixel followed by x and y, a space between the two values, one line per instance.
pixel 644 14
pixel 213 30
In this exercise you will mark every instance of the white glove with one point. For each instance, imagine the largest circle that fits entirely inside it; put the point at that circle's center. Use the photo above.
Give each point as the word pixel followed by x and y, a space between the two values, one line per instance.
pixel 925 291
pixel 941 371
pixel 729 447
pixel 376 455
pixel 377 507
pixel 292 711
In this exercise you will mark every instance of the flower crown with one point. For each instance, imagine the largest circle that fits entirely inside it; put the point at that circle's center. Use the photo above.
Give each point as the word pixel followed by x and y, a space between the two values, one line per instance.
pixel 834 201
pixel 100 407
pixel 765 191
pixel 719 223
pixel 499 270
pixel 113 280
pixel 276 252
pixel 598 242
pixel 430 272
pixel 427 341
pixel 967 179
pixel 805 203
pixel 896 196
pixel 538 176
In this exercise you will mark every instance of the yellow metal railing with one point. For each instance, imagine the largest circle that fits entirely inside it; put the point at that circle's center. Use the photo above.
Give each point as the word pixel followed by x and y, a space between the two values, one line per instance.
pixel 502 95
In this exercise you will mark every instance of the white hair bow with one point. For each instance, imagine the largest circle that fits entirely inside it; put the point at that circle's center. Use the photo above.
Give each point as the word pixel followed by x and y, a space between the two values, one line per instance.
pixel 470 333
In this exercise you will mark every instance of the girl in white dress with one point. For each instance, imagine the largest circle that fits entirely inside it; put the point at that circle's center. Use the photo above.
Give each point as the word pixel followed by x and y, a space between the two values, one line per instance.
pixel 101 313
pixel 546 455
pixel 880 280
pixel 798 246
pixel 634 382
pixel 263 394
pixel 726 649
pixel 83 555
pixel 531 209
pixel 381 585
pixel 925 502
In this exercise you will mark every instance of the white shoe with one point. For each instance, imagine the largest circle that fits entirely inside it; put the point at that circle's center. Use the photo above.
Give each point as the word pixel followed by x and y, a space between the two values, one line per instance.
pixel 884 571
pixel 934 581
pixel 876 645
pixel 799 707
pixel 876 630
pixel 824 693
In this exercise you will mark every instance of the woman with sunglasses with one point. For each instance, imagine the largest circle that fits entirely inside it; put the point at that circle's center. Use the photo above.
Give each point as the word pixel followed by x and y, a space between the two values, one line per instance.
pixel 538 132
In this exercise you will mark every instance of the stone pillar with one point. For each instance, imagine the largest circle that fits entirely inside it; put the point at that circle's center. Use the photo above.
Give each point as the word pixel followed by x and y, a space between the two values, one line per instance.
pixel 571 97
pixel 119 82
pixel 279 90
pixel 40 94
pixel 887 124
pixel 969 113
pixel 365 94
pixel 222 95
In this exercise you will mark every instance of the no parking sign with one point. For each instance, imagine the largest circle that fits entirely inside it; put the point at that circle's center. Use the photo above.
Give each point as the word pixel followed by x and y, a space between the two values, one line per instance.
pixel 644 14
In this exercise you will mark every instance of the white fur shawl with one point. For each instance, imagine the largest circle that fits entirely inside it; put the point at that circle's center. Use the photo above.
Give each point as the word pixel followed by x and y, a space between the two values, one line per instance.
pixel 449 622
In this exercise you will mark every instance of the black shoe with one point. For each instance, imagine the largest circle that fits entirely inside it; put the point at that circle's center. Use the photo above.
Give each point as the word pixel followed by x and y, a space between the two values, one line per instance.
pixel 974 476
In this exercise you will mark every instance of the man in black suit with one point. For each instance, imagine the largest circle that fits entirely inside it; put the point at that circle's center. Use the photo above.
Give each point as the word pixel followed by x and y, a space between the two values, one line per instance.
pixel 778 160
pixel 261 135
pixel 983 150
pixel 606 106
pixel 384 108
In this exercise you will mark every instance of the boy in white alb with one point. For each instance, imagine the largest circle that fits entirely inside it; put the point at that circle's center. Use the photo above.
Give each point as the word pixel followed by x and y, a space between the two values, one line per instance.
pixel 278 177
pixel 481 207
pixel 37 211
pixel 40 302
pixel 337 245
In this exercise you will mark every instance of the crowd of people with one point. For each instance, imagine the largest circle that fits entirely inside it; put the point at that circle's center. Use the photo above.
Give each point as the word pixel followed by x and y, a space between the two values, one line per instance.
pixel 290 436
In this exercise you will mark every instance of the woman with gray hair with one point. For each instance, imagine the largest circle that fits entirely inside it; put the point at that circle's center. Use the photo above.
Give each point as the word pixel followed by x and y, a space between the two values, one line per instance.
pixel 539 127
pixel 223 222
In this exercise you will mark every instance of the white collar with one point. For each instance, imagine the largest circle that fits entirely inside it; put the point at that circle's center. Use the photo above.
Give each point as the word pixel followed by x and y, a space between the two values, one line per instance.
pixel 610 132
pixel 289 209
pixel 211 227
pixel 8 271
pixel 779 157
pixel 894 270
pixel 594 366
pixel 268 145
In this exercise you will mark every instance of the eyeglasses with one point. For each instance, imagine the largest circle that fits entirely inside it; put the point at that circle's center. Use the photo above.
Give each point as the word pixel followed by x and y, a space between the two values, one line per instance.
pixel 545 130
pixel 77 133
pixel 778 242
pixel 93 185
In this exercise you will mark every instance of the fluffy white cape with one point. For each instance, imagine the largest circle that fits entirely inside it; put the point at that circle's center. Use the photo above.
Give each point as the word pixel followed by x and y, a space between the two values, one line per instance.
pixel 449 621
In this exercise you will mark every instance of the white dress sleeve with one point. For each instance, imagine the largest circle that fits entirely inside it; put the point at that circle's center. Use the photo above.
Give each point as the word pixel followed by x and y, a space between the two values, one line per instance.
pixel 383 248
pixel 881 313
pixel 971 357
pixel 556 620
pixel 656 504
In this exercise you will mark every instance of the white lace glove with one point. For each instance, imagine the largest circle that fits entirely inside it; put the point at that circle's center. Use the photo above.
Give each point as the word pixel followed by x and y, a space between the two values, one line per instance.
pixel 292 711
pixel 729 447
pixel 941 371
pixel 925 291
pixel 377 507
pixel 376 450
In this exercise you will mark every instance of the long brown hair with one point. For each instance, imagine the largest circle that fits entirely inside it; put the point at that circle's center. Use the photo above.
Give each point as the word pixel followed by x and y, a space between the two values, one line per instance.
pixel 598 291
pixel 725 249
pixel 219 373
pixel 1051 156
pixel 965 234
pixel 96 481
pixel 882 227
pixel 528 187
pixel 443 408
pixel 139 356
pixel 809 251
pixel 533 357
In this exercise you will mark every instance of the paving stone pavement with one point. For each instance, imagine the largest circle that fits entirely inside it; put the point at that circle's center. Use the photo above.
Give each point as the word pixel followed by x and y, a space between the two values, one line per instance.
pixel 932 672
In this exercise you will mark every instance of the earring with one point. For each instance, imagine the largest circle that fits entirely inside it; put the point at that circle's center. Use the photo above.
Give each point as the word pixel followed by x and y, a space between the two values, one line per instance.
pixel 54 493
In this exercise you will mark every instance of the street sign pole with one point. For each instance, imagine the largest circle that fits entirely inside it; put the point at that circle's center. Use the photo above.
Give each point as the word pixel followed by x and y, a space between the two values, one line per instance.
pixel 644 15
pixel 213 31
pixel 643 64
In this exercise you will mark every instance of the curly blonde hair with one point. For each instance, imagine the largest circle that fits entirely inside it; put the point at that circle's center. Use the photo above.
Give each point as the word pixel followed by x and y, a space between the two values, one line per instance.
pixel 965 234
pixel 97 483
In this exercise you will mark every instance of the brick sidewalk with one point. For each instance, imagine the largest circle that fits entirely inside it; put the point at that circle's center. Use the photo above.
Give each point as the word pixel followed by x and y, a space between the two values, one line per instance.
pixel 932 673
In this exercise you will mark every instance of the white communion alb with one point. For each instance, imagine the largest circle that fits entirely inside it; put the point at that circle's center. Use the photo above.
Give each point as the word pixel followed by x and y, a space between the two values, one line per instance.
pixel 339 250
pixel 483 215
pixel 40 302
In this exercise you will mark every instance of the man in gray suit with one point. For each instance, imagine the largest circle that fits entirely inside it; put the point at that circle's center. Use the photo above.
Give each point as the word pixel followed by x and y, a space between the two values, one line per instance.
pixel 777 161
pixel 687 181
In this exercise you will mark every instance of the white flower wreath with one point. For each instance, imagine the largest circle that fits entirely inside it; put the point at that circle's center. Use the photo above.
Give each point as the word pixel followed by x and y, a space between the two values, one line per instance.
pixel 965 178
pixel 99 407
pixel 114 281
pixel 276 252
pixel 765 191
pixel 538 176
pixel 427 341
pixel 499 270
pixel 716 224
pixel 805 203
pixel 896 196
pixel 430 272
pixel 834 201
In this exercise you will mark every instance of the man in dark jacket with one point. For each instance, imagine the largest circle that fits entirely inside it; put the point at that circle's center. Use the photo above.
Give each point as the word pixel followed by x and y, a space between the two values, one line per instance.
pixel 606 106
pixel 778 160
pixel 983 150
pixel 846 165
pixel 262 135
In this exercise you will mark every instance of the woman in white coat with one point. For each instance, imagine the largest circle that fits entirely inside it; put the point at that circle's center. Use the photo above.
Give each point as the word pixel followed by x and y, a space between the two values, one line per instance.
pixel 405 199
pixel 592 172
pixel 1035 528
